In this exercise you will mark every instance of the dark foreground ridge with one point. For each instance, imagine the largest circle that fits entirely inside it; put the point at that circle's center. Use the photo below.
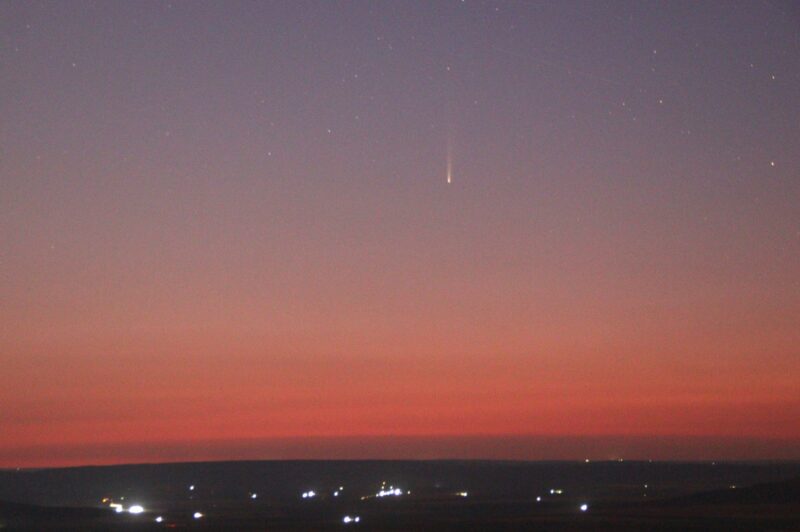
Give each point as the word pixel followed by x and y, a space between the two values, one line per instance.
pixel 405 495
pixel 783 492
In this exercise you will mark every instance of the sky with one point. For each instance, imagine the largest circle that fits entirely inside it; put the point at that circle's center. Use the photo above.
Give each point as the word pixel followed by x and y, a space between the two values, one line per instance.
pixel 226 230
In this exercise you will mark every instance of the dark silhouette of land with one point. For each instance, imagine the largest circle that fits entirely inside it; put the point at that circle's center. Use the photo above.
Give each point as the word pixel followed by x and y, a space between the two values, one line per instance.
pixel 405 495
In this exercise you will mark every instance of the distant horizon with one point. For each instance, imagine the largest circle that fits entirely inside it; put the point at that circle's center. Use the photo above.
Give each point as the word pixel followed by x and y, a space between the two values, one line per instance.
pixel 409 448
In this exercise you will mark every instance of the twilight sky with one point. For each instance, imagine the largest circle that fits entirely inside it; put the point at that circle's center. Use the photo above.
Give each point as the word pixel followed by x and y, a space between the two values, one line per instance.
pixel 230 222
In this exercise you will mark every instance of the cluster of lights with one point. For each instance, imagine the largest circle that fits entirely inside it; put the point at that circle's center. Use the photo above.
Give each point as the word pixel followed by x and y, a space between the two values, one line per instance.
pixel 309 494
pixel 137 509
pixel 351 519
pixel 555 491
pixel 119 508
pixel 391 492
pixel 462 494
pixel 337 492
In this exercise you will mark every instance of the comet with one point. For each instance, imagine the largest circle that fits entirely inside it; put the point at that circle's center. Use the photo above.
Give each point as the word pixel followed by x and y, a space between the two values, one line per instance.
pixel 449 161
pixel 449 169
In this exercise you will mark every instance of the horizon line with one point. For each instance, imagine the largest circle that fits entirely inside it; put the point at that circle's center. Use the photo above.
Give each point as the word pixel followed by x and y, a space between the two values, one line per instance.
pixel 476 447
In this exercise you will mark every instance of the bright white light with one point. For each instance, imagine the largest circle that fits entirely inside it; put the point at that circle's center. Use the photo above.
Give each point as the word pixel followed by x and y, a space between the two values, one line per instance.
pixel 463 494
pixel 584 507
pixel 357 519
pixel 335 493
pixel 309 494
pixel 254 496
pixel 191 488
pixel 392 491
pixel 119 509
pixel 538 499
pixel 348 519
pixel 197 515
pixel 136 509
pixel 159 519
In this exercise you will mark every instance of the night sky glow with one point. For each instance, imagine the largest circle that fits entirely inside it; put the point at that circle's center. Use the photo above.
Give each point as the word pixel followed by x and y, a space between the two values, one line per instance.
pixel 226 230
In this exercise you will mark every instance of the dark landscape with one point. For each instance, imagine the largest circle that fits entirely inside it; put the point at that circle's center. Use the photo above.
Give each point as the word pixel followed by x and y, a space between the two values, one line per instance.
pixel 417 495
